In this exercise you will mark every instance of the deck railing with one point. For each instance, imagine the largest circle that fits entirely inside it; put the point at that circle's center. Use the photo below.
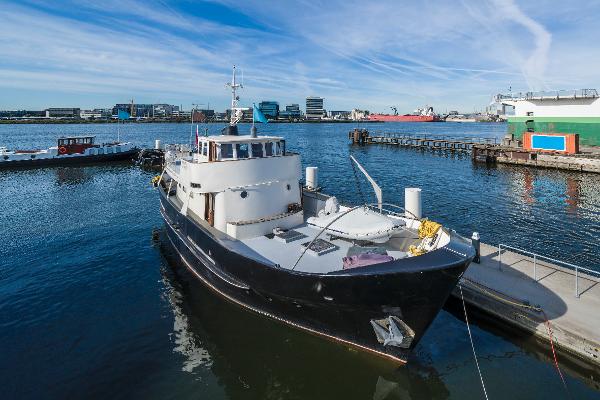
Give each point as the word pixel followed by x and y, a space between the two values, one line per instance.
pixel 575 268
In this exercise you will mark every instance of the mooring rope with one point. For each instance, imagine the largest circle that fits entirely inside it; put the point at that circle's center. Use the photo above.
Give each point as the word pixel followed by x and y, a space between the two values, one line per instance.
pixel 546 321
pixel 472 345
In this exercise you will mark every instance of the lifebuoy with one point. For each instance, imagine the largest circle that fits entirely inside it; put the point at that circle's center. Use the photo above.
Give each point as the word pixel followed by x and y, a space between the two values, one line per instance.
pixel 62 149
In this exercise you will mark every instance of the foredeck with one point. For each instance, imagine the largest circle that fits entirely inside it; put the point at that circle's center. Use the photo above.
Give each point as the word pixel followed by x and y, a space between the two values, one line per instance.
pixel 286 254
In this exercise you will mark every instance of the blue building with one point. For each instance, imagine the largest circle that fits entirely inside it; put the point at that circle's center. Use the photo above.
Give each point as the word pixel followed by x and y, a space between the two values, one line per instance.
pixel 292 111
pixel 269 108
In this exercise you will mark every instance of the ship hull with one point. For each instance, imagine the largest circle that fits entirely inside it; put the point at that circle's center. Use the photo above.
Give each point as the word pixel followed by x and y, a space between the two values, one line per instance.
pixel 59 161
pixel 337 306
pixel 402 118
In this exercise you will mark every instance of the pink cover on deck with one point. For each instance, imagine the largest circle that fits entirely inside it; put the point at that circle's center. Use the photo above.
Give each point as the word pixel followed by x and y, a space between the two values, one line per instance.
pixel 364 259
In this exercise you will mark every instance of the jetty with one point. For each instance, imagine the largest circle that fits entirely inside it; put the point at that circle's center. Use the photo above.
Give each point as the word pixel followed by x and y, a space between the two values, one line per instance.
pixel 555 301
pixel 483 150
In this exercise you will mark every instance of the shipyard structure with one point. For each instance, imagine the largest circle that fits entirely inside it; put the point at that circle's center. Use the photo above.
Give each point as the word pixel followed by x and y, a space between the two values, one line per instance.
pixel 564 111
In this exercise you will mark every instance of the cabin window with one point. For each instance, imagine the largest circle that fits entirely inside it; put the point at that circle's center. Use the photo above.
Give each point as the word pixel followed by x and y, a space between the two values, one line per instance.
pixel 277 149
pixel 269 149
pixel 226 151
pixel 530 113
pixel 204 148
pixel 242 150
pixel 257 150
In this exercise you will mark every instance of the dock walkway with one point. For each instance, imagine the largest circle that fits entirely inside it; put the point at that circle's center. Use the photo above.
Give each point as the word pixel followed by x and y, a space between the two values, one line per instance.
pixel 514 287
pixel 423 141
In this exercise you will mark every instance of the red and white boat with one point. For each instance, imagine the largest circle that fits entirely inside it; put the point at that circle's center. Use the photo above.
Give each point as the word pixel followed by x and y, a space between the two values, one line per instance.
pixel 68 151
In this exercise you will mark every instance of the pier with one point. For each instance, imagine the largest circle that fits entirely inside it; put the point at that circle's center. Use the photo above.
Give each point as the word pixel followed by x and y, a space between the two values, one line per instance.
pixel 422 141
pixel 552 300
pixel 483 150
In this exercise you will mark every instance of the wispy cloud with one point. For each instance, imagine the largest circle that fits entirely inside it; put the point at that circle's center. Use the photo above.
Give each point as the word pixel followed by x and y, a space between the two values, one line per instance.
pixel 353 53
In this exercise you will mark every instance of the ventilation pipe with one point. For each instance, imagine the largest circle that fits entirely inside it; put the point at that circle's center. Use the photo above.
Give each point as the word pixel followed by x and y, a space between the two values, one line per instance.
pixel 412 203
pixel 312 178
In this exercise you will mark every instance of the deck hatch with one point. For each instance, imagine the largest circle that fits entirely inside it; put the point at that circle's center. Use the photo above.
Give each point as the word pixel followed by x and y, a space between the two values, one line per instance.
pixel 319 247
pixel 289 236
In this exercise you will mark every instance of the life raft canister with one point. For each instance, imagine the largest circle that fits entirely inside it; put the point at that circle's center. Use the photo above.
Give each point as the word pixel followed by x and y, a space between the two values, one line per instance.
pixel 62 150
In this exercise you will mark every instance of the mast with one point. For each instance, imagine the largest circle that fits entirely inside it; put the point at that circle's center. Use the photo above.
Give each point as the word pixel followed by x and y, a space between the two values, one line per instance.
pixel 236 112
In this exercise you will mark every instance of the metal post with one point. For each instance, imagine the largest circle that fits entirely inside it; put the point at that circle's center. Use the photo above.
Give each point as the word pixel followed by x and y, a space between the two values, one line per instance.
pixel 576 282
pixel 499 258
pixel 534 267
pixel 475 241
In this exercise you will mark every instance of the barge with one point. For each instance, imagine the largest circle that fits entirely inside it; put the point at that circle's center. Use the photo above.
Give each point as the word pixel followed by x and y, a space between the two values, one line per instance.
pixel 73 150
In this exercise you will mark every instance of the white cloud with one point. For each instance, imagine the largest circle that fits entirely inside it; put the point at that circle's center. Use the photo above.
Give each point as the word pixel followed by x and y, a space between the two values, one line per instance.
pixel 355 54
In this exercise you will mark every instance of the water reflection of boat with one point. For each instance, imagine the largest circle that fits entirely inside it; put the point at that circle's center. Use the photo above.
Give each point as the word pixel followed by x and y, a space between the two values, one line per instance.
pixel 254 357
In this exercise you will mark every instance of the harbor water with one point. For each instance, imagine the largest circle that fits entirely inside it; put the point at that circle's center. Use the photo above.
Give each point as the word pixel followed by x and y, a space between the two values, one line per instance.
pixel 93 305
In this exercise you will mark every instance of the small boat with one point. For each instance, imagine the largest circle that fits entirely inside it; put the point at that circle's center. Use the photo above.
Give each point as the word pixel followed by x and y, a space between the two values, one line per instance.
pixel 372 276
pixel 68 151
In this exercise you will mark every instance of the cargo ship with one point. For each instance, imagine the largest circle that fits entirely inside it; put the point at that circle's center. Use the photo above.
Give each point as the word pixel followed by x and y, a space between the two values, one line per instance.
pixel 563 111
pixel 68 151
pixel 372 276
pixel 419 115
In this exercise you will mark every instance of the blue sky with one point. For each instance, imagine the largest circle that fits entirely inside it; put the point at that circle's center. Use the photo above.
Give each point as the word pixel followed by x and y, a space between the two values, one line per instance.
pixel 373 55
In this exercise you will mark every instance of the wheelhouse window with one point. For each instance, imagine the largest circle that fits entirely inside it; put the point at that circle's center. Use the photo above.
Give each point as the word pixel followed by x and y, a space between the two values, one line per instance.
pixel 242 150
pixel 257 150
pixel 204 148
pixel 268 149
pixel 226 151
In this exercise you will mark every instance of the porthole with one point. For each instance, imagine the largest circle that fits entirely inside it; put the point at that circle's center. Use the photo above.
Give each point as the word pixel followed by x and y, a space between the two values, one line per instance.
pixel 289 187
pixel 33 156
pixel 244 194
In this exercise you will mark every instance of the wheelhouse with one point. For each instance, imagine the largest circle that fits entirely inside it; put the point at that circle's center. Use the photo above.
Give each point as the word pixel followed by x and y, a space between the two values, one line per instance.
pixel 74 144
pixel 229 148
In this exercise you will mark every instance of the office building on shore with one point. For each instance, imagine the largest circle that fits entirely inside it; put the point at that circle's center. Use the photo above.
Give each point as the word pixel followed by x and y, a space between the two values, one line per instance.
pixel 269 108
pixel 64 112
pixel 314 107
pixel 291 112
pixel 147 110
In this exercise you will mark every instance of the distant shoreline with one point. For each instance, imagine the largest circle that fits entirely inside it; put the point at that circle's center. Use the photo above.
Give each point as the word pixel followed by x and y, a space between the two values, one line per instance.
pixel 183 121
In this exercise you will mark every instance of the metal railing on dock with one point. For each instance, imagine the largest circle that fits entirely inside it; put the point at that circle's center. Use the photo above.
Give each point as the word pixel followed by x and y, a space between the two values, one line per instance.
pixel 536 257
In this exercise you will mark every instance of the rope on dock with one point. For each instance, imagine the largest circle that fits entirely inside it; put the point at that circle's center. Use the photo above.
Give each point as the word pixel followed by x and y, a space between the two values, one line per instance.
pixel 471 339
pixel 539 309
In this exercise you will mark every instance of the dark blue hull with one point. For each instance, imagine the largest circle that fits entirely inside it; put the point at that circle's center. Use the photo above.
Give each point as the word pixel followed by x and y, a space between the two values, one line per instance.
pixel 340 306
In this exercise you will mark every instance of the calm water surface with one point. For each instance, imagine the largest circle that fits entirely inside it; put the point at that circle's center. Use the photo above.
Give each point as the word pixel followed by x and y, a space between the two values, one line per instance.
pixel 91 304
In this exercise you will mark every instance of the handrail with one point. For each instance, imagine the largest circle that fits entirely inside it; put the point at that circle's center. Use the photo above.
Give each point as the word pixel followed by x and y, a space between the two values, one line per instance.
pixel 575 268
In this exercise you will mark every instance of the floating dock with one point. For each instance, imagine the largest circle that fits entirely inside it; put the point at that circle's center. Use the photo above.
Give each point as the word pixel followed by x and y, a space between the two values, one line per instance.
pixel 527 290
pixel 485 150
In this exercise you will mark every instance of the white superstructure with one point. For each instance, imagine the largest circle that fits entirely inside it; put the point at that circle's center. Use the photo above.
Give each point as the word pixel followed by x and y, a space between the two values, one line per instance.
pixel 563 103
pixel 244 186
